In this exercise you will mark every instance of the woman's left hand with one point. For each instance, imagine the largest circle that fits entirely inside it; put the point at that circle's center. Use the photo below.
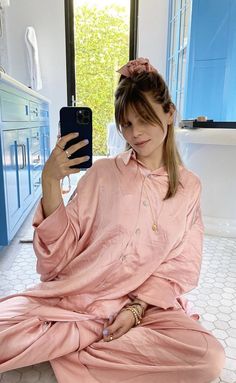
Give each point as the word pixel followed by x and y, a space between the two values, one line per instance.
pixel 113 329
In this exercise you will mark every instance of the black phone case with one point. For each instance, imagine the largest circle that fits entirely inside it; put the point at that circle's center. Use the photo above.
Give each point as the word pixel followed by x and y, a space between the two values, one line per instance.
pixel 78 119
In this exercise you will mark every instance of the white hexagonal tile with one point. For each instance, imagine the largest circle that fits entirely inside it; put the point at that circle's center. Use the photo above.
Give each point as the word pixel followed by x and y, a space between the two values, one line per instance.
pixel 208 325
pixel 222 325
pixel 202 303
pixel 231 342
pixel 228 289
pixel 233 315
pixel 220 334
pixel 228 376
pixel 212 310
pixel 223 316
pixel 214 296
pixel 225 309
pixel 228 295
pixel 209 317
pixel 232 323
pixel 213 302
pixel 226 302
pixel 230 364
pixel 232 333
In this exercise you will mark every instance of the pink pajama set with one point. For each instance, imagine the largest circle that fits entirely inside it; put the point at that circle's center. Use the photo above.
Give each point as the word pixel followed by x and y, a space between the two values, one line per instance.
pixel 94 256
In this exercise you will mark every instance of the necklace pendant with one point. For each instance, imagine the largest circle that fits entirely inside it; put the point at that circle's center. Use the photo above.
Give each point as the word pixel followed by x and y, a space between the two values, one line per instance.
pixel 154 227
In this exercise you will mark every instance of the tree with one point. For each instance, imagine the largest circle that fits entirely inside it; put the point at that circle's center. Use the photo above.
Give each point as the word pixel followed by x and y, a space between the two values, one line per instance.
pixel 101 47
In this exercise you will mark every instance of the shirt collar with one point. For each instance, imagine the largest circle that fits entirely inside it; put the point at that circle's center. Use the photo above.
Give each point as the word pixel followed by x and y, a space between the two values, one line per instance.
pixel 130 154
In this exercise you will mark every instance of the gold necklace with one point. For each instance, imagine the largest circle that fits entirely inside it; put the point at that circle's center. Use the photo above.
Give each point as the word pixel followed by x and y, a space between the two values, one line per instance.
pixel 154 224
pixel 154 220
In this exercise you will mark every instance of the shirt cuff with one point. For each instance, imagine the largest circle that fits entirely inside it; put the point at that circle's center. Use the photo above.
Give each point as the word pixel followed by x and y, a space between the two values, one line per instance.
pixel 52 227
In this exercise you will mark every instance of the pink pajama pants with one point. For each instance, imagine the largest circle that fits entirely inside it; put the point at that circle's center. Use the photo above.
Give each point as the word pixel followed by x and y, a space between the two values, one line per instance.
pixel 167 347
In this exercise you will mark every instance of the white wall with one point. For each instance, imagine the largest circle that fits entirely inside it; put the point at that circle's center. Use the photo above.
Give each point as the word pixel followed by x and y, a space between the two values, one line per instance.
pixel 153 28
pixel 47 18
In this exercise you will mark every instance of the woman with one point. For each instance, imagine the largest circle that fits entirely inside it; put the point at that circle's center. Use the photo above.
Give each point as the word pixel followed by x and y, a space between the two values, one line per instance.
pixel 115 261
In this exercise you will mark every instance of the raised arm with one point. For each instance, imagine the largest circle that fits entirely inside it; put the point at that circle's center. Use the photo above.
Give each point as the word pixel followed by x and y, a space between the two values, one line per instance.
pixel 57 228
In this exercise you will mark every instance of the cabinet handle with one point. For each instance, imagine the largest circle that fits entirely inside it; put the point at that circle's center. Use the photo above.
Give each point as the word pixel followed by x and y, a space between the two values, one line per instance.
pixel 23 156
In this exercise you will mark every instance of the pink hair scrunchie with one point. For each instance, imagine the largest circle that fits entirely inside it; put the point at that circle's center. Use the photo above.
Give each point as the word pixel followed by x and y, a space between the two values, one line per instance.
pixel 136 66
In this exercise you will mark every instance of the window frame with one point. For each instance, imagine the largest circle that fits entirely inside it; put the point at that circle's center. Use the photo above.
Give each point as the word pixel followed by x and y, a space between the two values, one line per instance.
pixel 70 44
pixel 179 17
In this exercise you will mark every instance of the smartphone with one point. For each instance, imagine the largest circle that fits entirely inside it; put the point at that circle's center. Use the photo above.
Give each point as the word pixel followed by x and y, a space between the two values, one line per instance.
pixel 78 119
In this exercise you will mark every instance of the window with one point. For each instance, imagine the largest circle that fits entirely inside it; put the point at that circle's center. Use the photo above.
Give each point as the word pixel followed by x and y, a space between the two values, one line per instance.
pixel 101 36
pixel 179 16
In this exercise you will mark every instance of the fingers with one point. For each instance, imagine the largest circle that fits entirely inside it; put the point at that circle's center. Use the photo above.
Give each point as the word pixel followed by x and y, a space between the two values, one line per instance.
pixel 112 331
pixel 76 161
pixel 110 334
pixel 62 141
pixel 59 149
pixel 106 330
pixel 73 148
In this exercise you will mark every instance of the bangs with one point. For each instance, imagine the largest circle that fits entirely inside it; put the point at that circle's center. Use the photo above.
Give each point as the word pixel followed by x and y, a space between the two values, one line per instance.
pixel 136 101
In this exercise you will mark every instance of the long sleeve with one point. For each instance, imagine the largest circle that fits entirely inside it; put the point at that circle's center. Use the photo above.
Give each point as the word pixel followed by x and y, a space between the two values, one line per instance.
pixel 56 237
pixel 179 274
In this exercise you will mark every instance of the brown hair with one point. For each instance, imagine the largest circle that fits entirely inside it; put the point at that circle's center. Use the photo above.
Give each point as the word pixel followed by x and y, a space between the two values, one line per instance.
pixel 131 92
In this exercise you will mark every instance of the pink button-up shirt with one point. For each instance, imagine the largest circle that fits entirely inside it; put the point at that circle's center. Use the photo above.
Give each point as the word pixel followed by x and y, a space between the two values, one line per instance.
pixel 100 251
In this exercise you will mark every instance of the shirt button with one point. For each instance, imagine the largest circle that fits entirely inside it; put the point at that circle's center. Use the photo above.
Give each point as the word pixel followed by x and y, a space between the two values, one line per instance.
pixel 145 203
pixel 137 231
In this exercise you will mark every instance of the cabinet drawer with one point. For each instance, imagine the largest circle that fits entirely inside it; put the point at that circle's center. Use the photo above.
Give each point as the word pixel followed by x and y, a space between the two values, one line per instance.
pixel 34 111
pixel 14 108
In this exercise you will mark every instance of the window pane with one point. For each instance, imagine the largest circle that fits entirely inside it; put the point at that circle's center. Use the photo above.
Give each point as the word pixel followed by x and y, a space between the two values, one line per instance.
pixel 183 74
pixel 101 47
pixel 174 8
pixel 172 75
pixel 186 26
pixel 182 28
pixel 173 37
pixel 180 63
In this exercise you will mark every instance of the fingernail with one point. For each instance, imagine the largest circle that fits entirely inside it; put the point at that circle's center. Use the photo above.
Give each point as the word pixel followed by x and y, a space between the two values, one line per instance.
pixel 86 141
pixel 87 157
pixel 111 318
pixel 105 332
pixel 76 134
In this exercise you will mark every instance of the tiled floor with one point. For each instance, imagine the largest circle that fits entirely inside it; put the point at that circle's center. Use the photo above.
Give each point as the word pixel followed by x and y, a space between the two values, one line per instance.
pixel 214 299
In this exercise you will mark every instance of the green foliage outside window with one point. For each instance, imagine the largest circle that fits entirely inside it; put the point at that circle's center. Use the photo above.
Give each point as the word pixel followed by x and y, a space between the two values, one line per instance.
pixel 101 47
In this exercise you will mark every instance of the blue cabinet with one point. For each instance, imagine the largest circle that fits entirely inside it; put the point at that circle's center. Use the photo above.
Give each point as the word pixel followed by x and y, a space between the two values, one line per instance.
pixel 17 175
pixel 24 148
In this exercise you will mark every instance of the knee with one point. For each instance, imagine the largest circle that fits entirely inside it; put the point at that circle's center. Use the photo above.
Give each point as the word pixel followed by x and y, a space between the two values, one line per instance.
pixel 214 360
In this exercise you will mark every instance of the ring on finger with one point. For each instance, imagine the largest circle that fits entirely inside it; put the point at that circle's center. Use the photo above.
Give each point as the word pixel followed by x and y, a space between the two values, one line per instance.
pixel 111 337
pixel 59 146
pixel 68 154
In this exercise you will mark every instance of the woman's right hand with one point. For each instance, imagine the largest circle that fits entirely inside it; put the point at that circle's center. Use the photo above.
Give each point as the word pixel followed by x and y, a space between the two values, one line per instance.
pixel 59 162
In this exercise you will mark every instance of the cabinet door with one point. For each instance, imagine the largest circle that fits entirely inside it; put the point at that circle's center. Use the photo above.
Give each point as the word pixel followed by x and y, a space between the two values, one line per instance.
pixel 24 168
pixel 12 160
